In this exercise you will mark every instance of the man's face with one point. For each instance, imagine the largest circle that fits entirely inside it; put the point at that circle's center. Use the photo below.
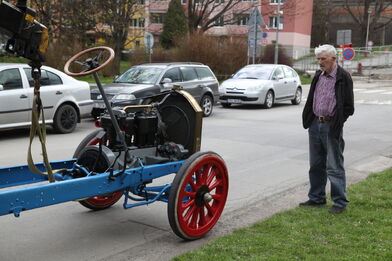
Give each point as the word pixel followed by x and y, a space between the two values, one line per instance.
pixel 326 61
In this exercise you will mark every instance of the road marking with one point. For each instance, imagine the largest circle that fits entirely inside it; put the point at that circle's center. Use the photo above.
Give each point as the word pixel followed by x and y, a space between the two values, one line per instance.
pixel 374 102
pixel 373 91
pixel 386 93
pixel 357 90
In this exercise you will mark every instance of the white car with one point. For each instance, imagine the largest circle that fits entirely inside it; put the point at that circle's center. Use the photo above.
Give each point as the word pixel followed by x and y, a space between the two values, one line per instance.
pixel 262 84
pixel 65 99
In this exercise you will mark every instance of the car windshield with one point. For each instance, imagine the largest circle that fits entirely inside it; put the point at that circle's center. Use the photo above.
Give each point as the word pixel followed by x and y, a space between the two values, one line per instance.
pixel 140 75
pixel 254 72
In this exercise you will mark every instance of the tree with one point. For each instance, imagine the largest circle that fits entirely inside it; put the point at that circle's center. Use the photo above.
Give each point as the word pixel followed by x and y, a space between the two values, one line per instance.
pixel 204 14
pixel 175 25
pixel 116 18
pixel 324 12
pixel 269 55
pixel 375 10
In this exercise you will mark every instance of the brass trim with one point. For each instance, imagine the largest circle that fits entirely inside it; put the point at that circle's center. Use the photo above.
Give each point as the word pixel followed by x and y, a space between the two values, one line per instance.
pixel 138 106
pixel 44 41
pixel 191 100
pixel 144 106
pixel 29 17
pixel 198 119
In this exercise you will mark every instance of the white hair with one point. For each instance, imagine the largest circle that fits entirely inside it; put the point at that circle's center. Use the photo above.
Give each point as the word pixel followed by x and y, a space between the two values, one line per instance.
pixel 325 48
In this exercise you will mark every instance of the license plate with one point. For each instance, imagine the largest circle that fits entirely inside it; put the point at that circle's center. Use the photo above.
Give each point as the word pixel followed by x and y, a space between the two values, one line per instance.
pixel 99 105
pixel 234 101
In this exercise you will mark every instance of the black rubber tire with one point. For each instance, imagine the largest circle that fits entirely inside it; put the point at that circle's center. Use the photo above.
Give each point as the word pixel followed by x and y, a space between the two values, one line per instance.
pixel 87 158
pixel 298 97
pixel 226 105
pixel 206 104
pixel 85 142
pixel 178 186
pixel 65 119
pixel 102 167
pixel 268 103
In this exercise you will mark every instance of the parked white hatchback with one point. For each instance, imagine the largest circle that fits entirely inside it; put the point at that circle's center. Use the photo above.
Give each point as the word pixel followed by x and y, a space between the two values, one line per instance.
pixel 262 84
pixel 65 99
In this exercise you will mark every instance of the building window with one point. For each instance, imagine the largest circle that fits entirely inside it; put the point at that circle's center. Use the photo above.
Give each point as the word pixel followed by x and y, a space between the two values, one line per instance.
pixel 273 22
pixel 137 22
pixel 219 2
pixel 275 2
pixel 183 2
pixel 140 2
pixel 242 19
pixel 219 22
pixel 157 18
pixel 137 43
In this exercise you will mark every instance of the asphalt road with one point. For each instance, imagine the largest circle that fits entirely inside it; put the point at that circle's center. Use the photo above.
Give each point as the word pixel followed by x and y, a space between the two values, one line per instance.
pixel 266 152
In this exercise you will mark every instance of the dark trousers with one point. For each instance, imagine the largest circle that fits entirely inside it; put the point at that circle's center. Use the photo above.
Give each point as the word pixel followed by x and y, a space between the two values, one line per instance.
pixel 326 161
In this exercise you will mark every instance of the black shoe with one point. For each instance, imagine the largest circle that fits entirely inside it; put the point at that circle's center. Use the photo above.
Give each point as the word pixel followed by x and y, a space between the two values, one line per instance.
pixel 311 203
pixel 336 209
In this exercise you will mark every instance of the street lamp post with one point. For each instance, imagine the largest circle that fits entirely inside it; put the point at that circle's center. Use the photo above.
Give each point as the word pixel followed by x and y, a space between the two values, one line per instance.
pixel 277 34
pixel 367 30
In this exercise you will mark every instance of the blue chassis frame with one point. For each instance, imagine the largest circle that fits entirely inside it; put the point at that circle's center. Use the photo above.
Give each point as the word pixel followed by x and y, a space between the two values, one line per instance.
pixel 15 200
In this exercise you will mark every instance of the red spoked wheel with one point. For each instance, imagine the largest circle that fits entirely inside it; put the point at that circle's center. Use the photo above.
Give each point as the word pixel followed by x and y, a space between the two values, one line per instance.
pixel 198 195
pixel 102 201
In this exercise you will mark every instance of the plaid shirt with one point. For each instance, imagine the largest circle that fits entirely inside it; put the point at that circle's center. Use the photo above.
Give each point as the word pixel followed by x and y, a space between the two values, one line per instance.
pixel 324 96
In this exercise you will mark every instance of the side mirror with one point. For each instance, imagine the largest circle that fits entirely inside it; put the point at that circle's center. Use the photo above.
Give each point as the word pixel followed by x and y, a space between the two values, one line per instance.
pixel 166 80
pixel 167 85
pixel 274 78
pixel 1 87
pixel 115 77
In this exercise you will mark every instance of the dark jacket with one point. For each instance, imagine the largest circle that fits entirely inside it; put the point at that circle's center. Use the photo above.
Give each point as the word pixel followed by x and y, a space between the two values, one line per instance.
pixel 344 101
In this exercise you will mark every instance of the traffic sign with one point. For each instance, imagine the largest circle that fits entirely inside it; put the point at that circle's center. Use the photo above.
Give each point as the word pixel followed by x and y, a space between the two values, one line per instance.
pixel 256 18
pixel 348 53
pixel 343 37
pixel 148 40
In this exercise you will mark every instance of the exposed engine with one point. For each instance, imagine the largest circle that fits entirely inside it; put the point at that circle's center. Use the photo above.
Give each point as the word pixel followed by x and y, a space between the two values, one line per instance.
pixel 169 129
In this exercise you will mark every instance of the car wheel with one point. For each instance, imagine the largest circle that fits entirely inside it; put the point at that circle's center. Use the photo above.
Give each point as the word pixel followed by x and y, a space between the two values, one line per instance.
pixel 226 105
pixel 298 97
pixel 269 100
pixel 206 105
pixel 65 119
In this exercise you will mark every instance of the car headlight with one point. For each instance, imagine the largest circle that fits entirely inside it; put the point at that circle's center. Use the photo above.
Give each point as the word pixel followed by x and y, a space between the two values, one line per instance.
pixel 255 88
pixel 129 97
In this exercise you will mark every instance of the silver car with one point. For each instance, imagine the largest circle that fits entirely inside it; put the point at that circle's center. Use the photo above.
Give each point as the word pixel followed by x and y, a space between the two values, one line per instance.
pixel 137 84
pixel 64 98
pixel 262 84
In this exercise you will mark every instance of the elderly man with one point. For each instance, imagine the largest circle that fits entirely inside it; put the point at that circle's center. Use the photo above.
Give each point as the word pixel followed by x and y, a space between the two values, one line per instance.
pixel 330 102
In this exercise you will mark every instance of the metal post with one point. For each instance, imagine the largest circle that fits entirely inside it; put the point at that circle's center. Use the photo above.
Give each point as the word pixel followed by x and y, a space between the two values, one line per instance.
pixel 119 134
pixel 367 30
pixel 277 34
pixel 255 42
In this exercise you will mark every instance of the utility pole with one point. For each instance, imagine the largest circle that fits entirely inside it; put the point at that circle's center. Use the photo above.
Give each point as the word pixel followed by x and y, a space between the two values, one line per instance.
pixel 367 29
pixel 277 34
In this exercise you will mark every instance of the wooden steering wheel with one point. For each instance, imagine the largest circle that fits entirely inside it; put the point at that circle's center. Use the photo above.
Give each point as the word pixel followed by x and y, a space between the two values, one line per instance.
pixel 92 64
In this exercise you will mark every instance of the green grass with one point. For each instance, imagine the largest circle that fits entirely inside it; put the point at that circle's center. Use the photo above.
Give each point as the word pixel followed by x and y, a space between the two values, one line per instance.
pixel 362 232
pixel 305 80
pixel 12 59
